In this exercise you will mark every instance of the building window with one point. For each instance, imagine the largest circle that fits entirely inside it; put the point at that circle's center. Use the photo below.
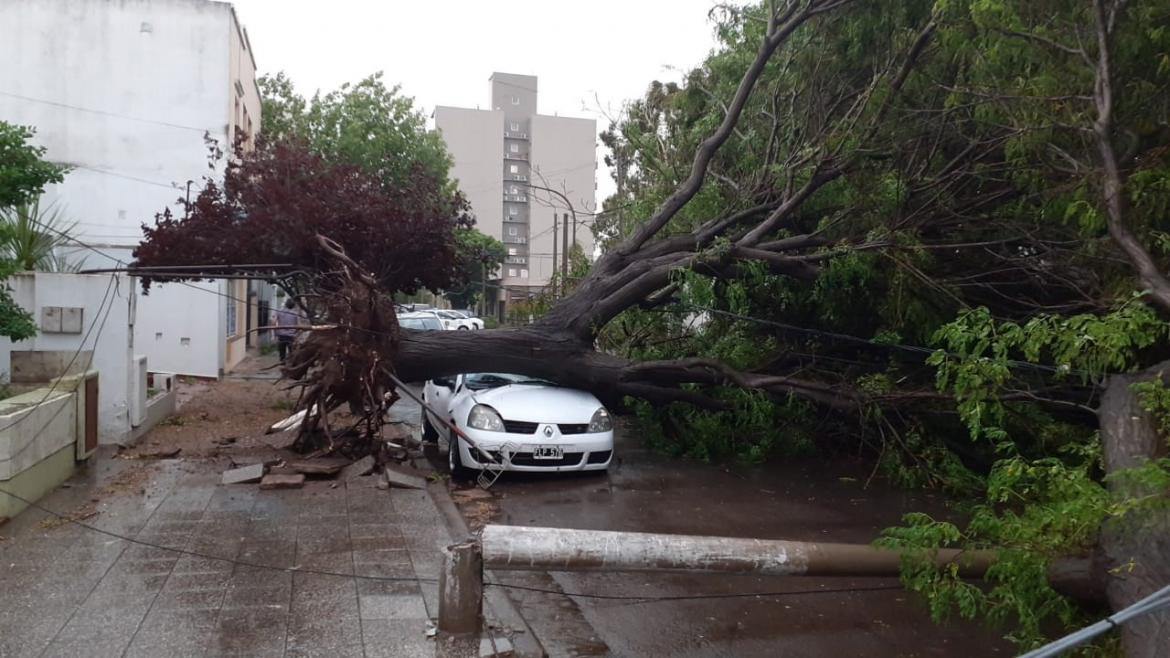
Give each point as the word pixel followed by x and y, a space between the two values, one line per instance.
pixel 514 148
pixel 232 321
pixel 515 127
pixel 512 211
pixel 511 251
pixel 523 274
pixel 515 100
pixel 511 230
pixel 515 169
pixel 515 190
pixel 511 271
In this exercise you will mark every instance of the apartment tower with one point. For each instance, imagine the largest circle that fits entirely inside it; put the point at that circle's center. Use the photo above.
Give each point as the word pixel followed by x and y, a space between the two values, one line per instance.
pixel 523 172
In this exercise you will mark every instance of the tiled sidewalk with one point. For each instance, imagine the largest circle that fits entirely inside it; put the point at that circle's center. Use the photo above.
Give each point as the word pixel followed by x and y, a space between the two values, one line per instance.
pixel 69 591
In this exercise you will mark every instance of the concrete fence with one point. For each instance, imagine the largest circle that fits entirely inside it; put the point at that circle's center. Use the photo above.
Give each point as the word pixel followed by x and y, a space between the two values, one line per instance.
pixel 44 432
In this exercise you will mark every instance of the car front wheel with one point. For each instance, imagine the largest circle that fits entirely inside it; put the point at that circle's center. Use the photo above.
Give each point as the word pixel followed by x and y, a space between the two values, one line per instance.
pixel 455 461
pixel 429 435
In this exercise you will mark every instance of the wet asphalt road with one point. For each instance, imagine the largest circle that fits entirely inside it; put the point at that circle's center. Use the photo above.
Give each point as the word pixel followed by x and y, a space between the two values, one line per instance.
pixel 797 500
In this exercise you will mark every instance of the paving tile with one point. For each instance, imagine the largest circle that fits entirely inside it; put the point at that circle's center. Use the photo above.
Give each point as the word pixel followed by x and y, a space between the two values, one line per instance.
pixel 312 635
pixel 199 599
pixel 397 639
pixel 392 606
pixel 173 633
pixel 275 598
pixel 197 581
pixel 249 632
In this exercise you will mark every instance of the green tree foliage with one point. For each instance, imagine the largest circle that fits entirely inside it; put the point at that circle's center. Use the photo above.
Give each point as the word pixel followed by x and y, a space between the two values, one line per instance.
pixel 969 295
pixel 375 128
pixel 477 256
pixel 31 236
pixel 24 172
pixel 365 124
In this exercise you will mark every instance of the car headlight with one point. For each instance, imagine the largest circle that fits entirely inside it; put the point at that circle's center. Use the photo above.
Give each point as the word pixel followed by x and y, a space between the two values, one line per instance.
pixel 483 417
pixel 601 422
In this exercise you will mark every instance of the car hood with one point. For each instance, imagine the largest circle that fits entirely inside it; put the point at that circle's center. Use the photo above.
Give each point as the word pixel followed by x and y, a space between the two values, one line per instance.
pixel 540 404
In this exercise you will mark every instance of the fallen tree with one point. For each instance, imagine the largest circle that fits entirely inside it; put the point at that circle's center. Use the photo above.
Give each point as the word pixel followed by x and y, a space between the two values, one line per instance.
pixel 836 153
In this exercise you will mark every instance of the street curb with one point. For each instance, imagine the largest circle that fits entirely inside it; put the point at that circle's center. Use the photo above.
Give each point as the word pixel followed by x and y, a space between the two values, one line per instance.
pixel 526 644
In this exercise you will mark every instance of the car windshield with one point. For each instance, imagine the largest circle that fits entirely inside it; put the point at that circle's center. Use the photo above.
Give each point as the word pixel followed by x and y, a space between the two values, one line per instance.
pixel 450 315
pixel 485 380
pixel 423 323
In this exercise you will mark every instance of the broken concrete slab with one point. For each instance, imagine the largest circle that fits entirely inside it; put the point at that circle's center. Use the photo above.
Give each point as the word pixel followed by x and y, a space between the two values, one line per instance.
pixel 404 478
pixel 496 647
pixel 284 440
pixel 363 466
pixel 295 481
pixel 244 474
pixel 328 466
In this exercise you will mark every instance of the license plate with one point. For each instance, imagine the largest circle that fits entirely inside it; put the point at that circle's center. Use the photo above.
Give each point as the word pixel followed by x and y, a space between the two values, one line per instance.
pixel 548 452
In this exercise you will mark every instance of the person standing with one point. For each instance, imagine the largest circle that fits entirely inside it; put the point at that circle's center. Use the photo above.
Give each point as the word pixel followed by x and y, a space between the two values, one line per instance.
pixel 287 320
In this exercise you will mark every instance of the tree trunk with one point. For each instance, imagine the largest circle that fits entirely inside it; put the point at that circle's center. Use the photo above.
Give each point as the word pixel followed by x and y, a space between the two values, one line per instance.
pixel 1136 548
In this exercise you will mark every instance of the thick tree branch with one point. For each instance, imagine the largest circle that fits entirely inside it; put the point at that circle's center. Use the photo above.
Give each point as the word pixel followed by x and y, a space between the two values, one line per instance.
pixel 1112 179
pixel 779 30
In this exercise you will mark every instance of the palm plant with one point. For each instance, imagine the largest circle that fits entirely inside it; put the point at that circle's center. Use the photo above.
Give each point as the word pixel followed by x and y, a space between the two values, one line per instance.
pixel 30 236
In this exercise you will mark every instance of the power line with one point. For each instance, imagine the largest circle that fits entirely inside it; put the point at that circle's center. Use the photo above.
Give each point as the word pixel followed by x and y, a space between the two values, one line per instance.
pixel 866 341
pixel 206 556
pixel 68 366
pixel 635 599
pixel 103 112
pixel 108 172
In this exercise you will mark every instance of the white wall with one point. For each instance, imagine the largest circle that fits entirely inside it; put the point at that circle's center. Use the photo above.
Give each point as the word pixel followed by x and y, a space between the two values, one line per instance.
pixel 109 345
pixel 124 91
pixel 179 326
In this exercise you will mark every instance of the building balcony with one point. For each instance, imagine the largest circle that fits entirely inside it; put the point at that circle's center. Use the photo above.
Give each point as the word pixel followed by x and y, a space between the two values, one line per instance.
pixel 516 260
pixel 512 134
pixel 517 177
pixel 523 157
pixel 516 198
pixel 515 239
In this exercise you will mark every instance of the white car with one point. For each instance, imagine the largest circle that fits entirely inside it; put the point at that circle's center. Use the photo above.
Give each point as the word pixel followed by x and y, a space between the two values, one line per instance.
pixel 450 322
pixel 461 320
pixel 419 322
pixel 477 323
pixel 542 426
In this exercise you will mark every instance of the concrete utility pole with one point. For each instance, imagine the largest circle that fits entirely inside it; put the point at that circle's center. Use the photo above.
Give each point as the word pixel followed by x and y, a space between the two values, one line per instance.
pixel 561 549
pixel 554 260
pixel 461 589
pixel 565 253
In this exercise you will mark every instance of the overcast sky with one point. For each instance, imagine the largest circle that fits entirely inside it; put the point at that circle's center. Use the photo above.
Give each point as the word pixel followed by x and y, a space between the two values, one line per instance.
pixel 442 52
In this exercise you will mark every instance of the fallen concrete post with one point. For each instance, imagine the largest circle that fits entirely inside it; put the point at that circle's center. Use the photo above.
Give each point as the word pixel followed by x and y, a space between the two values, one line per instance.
pixel 561 549
pixel 461 589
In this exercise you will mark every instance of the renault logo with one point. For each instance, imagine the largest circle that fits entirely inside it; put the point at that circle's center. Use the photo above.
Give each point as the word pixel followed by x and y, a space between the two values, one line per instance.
pixel 548 431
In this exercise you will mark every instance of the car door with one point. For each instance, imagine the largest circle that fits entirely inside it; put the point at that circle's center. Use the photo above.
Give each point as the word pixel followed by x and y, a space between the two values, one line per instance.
pixel 440 394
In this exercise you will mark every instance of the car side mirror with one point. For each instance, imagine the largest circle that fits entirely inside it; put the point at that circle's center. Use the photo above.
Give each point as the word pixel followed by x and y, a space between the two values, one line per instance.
pixel 445 382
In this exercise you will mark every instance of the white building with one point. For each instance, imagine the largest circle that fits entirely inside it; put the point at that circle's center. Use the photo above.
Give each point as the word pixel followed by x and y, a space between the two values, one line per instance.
pixel 503 156
pixel 125 92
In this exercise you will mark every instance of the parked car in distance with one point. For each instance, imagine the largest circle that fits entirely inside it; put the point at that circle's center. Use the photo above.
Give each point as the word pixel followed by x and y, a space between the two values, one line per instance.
pixel 419 321
pixel 450 322
pixel 545 427
pixel 467 320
